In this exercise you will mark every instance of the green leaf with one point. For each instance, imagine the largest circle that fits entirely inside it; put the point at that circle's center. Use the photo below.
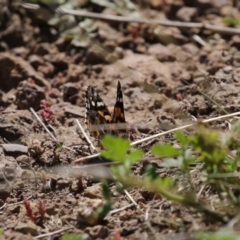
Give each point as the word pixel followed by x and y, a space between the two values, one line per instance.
pixel 116 148
pixel 183 140
pixel 151 172
pixel 221 235
pixel 60 145
pixel 165 183
pixel 73 236
pixel 230 21
pixel 134 157
pixel 165 150
pixel 106 191
pixel 102 211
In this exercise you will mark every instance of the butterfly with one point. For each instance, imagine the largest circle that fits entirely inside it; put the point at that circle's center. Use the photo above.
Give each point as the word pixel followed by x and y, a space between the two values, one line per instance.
pixel 98 118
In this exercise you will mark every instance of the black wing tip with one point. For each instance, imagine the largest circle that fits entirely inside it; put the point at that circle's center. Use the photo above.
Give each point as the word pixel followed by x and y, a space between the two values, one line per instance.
pixel 119 84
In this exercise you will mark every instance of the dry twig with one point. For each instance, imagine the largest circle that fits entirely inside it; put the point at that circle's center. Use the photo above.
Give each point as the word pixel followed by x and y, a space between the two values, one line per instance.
pixel 52 233
pixel 47 130
pixel 85 135
pixel 123 19
pixel 166 132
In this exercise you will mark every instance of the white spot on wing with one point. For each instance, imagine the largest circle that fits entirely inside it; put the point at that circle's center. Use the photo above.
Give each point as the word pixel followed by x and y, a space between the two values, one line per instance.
pixel 100 104
pixel 119 99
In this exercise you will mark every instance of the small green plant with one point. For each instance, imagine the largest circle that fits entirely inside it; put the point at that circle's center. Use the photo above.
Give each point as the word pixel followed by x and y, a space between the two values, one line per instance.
pixel 74 236
pixel 102 211
pixel 231 22
pixel 217 236
pixel 208 149
pixel 118 150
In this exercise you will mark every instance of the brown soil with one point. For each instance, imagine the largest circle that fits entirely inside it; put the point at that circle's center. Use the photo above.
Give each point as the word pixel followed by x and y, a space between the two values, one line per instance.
pixel 160 69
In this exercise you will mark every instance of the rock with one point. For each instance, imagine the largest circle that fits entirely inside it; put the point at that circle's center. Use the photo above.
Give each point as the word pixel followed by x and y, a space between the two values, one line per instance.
pixel 51 209
pixel 21 52
pixel 70 93
pixel 44 49
pixel 162 52
pixel 9 170
pixel 15 126
pixel 10 234
pixel 77 185
pixel 187 14
pixel 54 93
pixel 63 183
pixel 156 4
pixel 29 95
pixel 236 74
pixel 97 232
pixel 97 68
pixel 27 228
pixel 35 60
pixel 94 191
pixel 58 60
pixel 235 41
pixel 168 35
pixel 47 69
pixel 212 3
pixel 215 62
pixel 124 42
pixel 227 69
pixel 3 47
pixel 229 11
pixel 14 209
pixel 95 56
pixel 75 73
pixel 12 35
pixel 5 190
pixel 7 98
pixel 190 49
pixel 219 3
pixel 24 161
pixel 172 7
pixel 86 212
pixel 14 148
pixel 13 70
pixel 186 78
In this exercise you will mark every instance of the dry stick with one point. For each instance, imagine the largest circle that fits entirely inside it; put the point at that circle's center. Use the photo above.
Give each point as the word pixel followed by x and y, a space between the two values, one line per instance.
pixel 199 40
pixel 86 158
pixel 44 126
pixel 166 23
pixel 52 233
pixel 12 204
pixel 196 38
pixel 147 222
pixel 167 132
pixel 47 130
pixel 122 19
pixel 85 135
pixel 183 127
pixel 121 209
pixel 3 206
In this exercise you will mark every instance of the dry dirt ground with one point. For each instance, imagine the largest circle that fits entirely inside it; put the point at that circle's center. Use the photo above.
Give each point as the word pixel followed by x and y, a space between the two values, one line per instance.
pixel 161 70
